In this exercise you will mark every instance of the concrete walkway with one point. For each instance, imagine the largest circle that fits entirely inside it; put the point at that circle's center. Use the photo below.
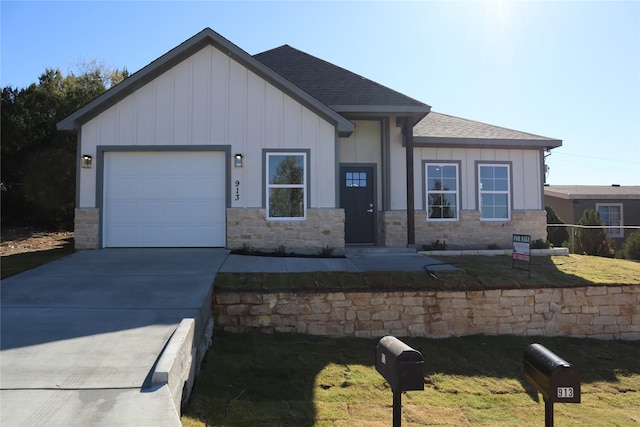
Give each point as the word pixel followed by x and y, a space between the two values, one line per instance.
pixel 86 340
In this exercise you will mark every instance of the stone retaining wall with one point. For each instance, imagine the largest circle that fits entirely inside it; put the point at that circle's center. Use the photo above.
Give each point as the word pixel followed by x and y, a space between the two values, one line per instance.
pixel 595 311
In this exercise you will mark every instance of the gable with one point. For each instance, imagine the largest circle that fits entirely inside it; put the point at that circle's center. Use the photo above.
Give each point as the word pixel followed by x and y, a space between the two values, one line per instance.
pixel 207 37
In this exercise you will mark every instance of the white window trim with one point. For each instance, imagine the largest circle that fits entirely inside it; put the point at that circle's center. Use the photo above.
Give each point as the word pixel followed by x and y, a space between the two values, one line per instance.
pixel 427 191
pixel 304 185
pixel 620 232
pixel 508 192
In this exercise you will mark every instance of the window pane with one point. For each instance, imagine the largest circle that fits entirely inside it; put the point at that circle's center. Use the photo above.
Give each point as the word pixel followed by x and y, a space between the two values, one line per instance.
pixel 449 172
pixel 487 185
pixel 286 202
pixel 449 184
pixel 286 169
pixel 486 172
pixel 501 185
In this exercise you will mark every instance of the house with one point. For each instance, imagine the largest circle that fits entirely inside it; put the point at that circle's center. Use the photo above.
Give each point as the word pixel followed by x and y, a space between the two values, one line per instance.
pixel 618 206
pixel 211 146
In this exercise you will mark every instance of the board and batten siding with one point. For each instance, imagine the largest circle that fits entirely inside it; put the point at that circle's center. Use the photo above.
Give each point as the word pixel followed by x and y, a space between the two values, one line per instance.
pixel 526 174
pixel 210 99
pixel 364 146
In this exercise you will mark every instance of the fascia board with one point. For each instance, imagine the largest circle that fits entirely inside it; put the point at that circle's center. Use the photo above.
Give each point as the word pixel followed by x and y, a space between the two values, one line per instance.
pixel 392 109
pixel 424 141
pixel 180 53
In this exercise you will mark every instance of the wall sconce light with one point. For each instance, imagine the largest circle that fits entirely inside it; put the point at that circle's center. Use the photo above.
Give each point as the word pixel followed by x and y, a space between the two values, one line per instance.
pixel 238 160
pixel 86 161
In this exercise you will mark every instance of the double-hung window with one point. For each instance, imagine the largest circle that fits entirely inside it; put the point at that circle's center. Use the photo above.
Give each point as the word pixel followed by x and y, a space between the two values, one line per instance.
pixel 611 216
pixel 286 180
pixel 494 191
pixel 442 191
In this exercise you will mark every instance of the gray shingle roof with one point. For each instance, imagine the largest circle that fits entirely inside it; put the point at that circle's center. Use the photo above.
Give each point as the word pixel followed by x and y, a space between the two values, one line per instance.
pixel 334 86
pixel 438 128
pixel 593 191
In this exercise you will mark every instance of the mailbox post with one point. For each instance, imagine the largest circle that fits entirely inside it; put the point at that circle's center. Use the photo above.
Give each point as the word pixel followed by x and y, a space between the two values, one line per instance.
pixel 402 367
pixel 555 378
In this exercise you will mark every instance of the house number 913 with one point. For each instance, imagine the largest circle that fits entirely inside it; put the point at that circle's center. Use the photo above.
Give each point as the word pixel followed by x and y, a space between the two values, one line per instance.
pixel 237 190
pixel 565 392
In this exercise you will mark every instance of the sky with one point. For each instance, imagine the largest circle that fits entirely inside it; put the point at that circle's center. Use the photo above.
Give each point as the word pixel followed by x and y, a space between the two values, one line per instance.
pixel 568 70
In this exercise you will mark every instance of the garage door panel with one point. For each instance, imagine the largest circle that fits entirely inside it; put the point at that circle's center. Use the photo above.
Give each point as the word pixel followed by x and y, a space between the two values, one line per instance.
pixel 164 199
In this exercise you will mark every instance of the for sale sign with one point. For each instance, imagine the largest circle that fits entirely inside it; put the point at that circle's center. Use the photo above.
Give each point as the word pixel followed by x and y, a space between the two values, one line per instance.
pixel 522 250
pixel 521 247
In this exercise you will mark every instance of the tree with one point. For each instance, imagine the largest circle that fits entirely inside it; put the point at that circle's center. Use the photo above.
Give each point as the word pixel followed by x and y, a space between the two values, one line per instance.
pixel 592 241
pixel 555 235
pixel 38 162
pixel 631 247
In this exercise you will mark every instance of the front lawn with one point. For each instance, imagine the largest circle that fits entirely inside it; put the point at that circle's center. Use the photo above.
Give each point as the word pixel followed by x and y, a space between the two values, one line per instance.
pixel 297 380
pixel 474 273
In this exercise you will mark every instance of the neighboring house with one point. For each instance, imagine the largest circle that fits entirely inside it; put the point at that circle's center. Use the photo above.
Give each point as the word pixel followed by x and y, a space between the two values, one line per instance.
pixel 618 206
pixel 210 146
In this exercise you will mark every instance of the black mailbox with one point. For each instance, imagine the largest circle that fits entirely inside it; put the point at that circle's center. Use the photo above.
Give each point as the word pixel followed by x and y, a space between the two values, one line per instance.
pixel 400 365
pixel 556 379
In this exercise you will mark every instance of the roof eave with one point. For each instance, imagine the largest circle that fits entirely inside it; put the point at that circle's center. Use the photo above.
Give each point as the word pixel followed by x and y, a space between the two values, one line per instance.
pixel 434 141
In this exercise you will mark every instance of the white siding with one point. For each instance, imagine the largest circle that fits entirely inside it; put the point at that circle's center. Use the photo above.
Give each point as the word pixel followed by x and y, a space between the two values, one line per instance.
pixel 209 99
pixel 525 171
pixel 364 146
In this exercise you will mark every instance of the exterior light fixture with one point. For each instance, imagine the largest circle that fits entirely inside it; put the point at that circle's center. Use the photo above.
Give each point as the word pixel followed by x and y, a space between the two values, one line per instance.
pixel 238 160
pixel 86 161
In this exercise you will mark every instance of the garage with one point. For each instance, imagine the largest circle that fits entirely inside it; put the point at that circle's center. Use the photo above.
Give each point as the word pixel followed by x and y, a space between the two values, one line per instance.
pixel 164 199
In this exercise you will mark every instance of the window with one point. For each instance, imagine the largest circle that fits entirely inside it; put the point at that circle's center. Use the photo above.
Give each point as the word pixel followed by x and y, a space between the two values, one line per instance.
pixel 286 185
pixel 442 191
pixel 611 216
pixel 494 192
pixel 356 179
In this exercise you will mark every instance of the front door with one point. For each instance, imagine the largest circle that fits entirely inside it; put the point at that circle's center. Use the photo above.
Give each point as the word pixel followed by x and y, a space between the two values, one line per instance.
pixel 357 191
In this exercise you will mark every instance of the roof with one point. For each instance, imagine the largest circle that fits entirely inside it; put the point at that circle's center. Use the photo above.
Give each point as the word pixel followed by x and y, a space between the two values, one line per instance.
pixel 180 53
pixel 438 129
pixel 340 89
pixel 571 192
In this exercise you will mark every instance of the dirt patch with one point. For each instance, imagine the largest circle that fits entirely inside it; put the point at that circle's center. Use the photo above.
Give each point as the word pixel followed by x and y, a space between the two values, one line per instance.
pixel 23 240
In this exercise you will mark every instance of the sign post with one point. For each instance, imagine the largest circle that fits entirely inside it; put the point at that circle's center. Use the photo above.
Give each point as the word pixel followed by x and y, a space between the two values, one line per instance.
pixel 521 252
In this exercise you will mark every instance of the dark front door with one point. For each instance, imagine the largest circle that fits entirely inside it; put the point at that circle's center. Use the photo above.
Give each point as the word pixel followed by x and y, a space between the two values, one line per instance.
pixel 357 199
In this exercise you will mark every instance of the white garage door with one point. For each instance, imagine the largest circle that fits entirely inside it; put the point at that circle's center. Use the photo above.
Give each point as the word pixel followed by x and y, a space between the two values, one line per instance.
pixel 164 199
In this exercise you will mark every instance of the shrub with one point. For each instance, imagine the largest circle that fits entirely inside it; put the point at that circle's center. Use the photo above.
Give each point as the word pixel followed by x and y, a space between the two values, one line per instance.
pixel 592 241
pixel 631 247
pixel 541 244
pixel 435 246
pixel 556 235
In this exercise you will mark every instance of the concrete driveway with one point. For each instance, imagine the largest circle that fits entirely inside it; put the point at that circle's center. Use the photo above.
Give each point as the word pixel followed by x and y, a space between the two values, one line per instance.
pixel 81 336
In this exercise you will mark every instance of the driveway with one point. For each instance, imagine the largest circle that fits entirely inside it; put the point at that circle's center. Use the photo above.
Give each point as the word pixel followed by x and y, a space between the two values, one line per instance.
pixel 80 336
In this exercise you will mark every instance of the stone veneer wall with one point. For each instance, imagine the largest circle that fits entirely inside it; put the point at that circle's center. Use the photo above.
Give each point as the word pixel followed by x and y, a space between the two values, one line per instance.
pixel 323 228
pixel 469 232
pixel 86 228
pixel 598 312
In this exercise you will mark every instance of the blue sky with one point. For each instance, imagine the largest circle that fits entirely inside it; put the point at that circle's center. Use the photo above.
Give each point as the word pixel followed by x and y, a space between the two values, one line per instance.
pixel 568 70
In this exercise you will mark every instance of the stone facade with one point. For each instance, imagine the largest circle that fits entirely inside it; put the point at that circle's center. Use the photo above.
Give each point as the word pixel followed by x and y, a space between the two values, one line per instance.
pixel 470 232
pixel 249 228
pixel 86 228
pixel 595 311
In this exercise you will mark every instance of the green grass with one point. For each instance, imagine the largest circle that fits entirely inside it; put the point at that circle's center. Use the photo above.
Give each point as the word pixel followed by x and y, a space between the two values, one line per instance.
pixel 297 380
pixel 14 264
pixel 475 273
